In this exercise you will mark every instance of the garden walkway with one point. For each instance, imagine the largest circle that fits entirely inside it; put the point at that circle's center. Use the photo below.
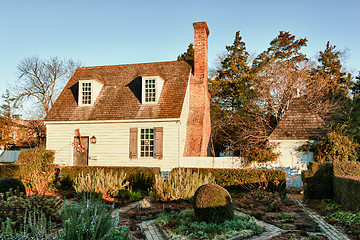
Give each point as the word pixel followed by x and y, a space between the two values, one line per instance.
pixel 332 232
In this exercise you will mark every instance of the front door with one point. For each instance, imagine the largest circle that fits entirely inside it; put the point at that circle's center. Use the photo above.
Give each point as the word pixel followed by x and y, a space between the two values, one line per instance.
pixel 81 151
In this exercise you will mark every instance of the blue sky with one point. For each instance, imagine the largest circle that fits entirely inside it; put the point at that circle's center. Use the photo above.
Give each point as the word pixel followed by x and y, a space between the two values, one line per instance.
pixel 122 32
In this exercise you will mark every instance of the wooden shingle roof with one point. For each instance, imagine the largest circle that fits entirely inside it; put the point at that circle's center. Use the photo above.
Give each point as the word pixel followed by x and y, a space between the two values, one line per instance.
pixel 299 123
pixel 120 97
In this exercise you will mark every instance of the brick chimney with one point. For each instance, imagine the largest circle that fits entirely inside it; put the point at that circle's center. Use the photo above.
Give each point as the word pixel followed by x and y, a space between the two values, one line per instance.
pixel 201 33
pixel 199 125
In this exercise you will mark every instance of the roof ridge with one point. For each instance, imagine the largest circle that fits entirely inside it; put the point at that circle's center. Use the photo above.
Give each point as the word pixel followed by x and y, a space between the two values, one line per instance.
pixel 111 66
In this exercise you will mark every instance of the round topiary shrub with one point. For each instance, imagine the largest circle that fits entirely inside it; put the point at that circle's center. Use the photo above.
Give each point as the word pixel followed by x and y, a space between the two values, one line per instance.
pixel 212 203
pixel 11 183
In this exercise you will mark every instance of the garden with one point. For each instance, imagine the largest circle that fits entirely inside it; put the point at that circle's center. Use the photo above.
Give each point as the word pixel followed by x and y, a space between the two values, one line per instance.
pixel 39 200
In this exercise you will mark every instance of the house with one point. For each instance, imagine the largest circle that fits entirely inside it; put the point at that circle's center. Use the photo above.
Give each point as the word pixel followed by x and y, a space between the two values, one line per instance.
pixel 150 114
pixel 298 126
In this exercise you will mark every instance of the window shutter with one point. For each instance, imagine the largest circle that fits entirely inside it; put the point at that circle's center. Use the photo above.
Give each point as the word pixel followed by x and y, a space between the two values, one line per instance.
pixel 133 143
pixel 159 142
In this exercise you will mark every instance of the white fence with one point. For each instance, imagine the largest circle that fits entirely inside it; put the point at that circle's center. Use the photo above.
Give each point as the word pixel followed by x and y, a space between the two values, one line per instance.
pixel 212 162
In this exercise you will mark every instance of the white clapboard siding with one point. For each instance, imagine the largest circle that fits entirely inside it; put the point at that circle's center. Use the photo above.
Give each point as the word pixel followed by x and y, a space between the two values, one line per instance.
pixel 183 120
pixel 212 162
pixel 112 147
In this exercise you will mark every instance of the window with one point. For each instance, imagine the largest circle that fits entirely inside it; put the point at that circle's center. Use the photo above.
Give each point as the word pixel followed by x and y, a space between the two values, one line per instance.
pixel 86 93
pixel 150 90
pixel 147 142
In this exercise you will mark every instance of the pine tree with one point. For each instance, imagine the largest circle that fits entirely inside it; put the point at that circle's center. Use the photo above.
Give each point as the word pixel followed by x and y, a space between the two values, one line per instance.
pixel 232 99
pixel 188 55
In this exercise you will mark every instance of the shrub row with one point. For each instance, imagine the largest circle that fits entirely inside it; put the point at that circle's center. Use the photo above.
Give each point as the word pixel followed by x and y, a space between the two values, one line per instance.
pixel 347 192
pixel 337 180
pixel 317 181
pixel 272 180
pixel 139 177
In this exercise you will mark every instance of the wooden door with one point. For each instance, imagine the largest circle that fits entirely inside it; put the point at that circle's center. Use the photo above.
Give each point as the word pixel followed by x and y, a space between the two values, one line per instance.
pixel 81 154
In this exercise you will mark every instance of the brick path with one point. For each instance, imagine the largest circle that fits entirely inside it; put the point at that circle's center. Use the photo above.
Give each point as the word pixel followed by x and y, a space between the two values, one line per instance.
pixel 332 232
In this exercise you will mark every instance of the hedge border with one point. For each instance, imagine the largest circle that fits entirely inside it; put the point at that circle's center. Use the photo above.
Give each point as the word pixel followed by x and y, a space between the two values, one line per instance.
pixel 246 179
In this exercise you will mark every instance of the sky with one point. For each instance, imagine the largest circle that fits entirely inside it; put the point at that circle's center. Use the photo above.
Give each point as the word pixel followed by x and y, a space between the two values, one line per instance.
pixel 106 32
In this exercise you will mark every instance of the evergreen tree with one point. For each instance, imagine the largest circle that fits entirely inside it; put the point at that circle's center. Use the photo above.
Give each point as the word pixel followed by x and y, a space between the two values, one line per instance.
pixel 232 100
pixel 188 55
pixel 330 67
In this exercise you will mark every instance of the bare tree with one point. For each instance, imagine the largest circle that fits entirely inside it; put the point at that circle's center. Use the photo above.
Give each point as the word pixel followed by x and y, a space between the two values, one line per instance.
pixel 41 80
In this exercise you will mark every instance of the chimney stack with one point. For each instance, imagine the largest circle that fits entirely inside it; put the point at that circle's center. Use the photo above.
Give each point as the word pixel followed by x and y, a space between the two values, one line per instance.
pixel 201 33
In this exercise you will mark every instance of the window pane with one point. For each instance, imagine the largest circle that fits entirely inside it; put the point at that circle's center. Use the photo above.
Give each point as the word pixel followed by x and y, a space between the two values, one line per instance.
pixel 147 142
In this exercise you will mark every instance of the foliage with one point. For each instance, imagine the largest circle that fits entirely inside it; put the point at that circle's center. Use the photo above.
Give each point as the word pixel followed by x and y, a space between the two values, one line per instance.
pixel 262 200
pixel 212 203
pixel 235 123
pixel 11 183
pixel 9 170
pixel 272 180
pixel 41 80
pixel 261 154
pixel 135 196
pixel 335 147
pixel 286 218
pixel 347 192
pixel 185 224
pixel 106 184
pixel 347 169
pixel 317 181
pixel 182 185
pixel 90 220
pixel 37 169
pixel 188 55
pixel 345 217
pixel 17 207
pixel 139 178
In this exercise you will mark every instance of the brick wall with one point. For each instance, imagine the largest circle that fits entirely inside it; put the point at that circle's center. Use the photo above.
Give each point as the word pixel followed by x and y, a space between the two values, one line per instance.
pixel 199 125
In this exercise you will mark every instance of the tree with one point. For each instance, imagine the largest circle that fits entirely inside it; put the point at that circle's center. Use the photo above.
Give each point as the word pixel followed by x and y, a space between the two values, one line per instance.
pixel 188 55
pixel 331 68
pixel 6 119
pixel 235 123
pixel 41 80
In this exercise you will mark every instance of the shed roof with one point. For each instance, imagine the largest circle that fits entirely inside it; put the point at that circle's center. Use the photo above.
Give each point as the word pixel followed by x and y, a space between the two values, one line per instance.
pixel 299 123
pixel 120 97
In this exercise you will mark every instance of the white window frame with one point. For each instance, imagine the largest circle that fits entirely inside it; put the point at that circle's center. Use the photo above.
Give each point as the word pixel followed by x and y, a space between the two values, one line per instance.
pixel 81 92
pixel 159 82
pixel 140 151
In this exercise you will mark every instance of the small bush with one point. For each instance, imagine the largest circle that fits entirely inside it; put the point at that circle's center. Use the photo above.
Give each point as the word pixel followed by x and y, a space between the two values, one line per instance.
pixel 262 200
pixel 99 182
pixel 261 154
pixel 212 203
pixel 36 168
pixel 18 207
pixel 12 183
pixel 90 220
pixel 182 185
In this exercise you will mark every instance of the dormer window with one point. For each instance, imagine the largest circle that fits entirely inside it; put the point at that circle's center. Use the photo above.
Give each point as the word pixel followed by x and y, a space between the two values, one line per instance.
pixel 151 89
pixel 88 92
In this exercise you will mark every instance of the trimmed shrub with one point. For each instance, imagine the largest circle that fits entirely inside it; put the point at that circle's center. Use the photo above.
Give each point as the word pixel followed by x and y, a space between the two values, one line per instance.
pixel 318 181
pixel 11 184
pixel 347 193
pixel 246 179
pixel 36 168
pixel 140 178
pixel 181 186
pixel 212 203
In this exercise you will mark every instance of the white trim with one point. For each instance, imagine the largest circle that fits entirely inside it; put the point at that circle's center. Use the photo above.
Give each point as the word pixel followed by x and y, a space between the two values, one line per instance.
pixel 115 121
